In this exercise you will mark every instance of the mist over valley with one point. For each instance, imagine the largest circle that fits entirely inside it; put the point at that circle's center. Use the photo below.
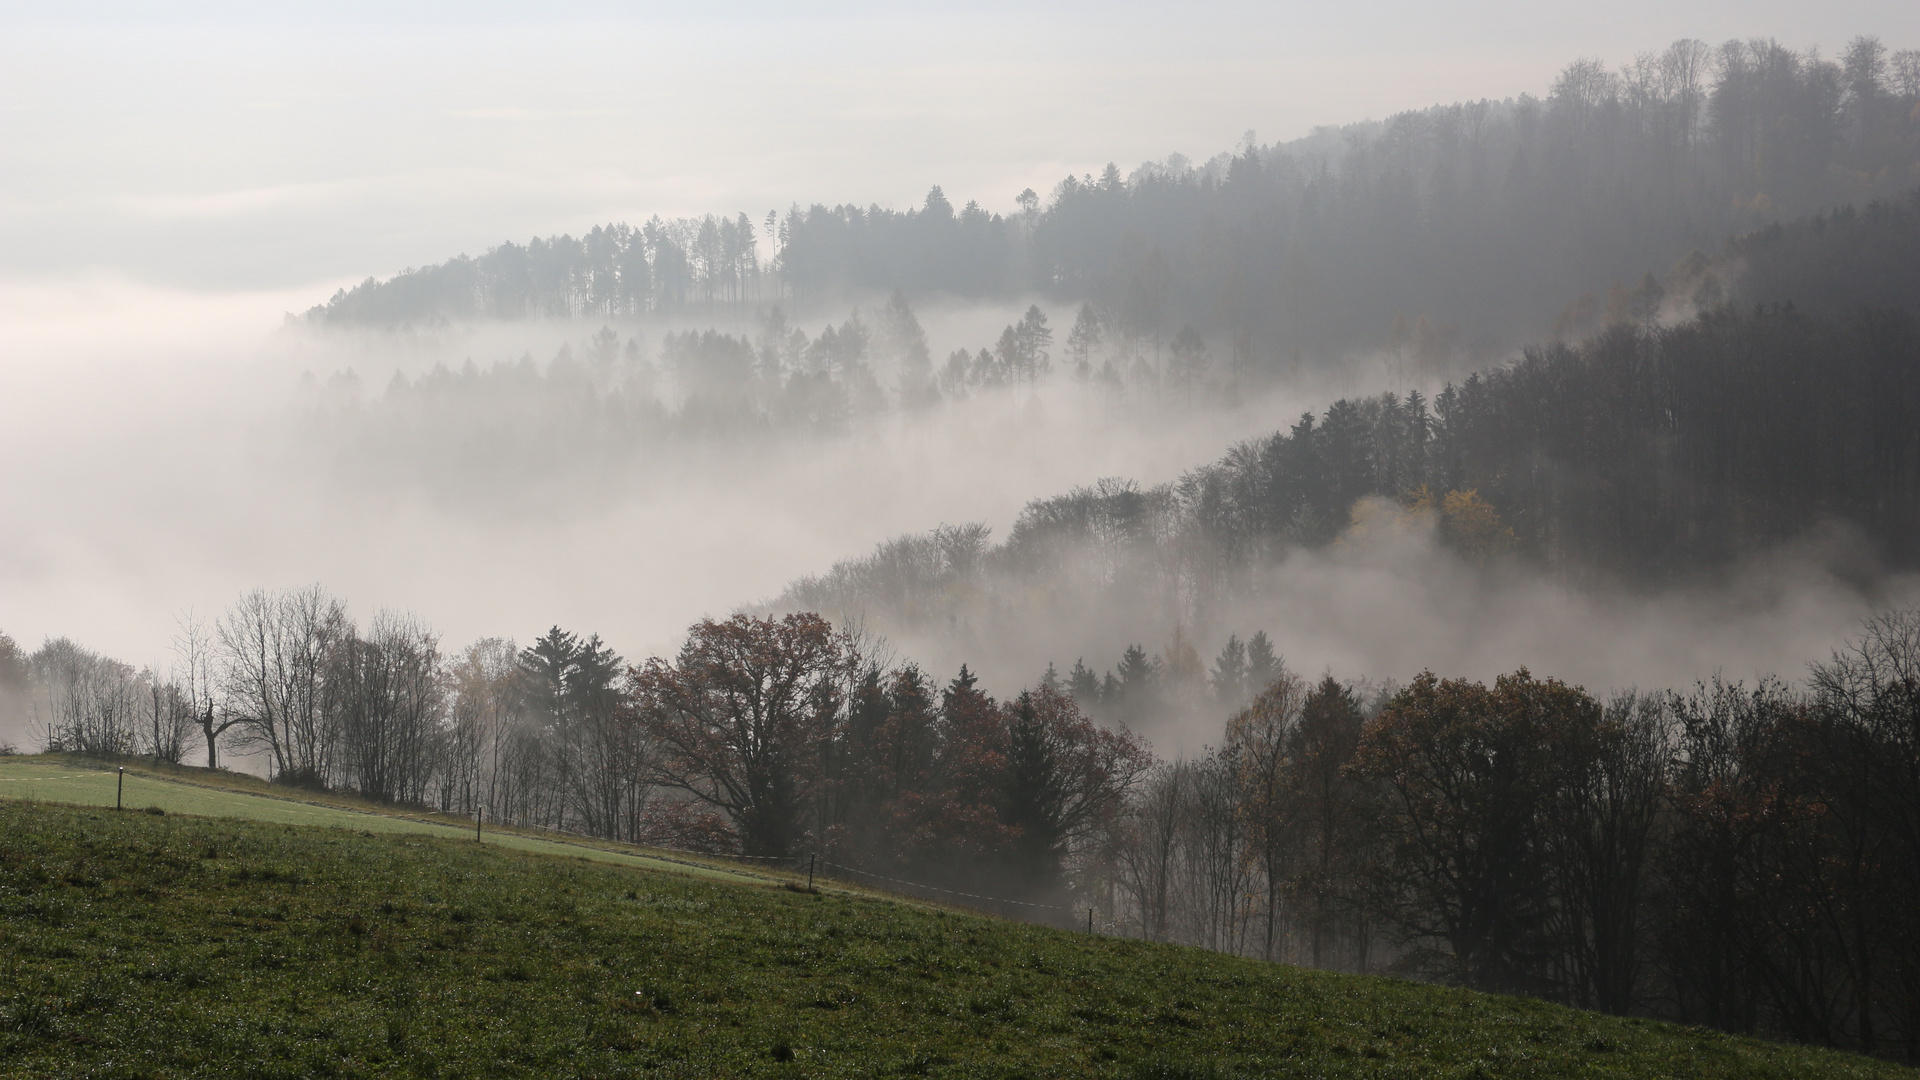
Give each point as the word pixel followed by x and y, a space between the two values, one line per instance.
pixel 1477 545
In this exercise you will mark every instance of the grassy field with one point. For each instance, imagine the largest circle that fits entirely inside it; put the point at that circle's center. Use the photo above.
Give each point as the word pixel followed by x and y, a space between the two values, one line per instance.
pixel 158 945
pixel 61 779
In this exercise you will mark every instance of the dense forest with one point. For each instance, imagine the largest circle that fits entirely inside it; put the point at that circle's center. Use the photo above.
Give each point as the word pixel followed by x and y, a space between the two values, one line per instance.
pixel 1782 299
pixel 604 409
pixel 1738 856
pixel 1645 454
pixel 1479 219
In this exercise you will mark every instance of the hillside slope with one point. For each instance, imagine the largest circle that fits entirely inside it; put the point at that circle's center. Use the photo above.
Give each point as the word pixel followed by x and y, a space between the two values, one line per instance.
pixel 174 789
pixel 157 945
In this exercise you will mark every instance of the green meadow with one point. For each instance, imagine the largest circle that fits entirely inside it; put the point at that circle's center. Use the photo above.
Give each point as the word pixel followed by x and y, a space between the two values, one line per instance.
pixel 208 793
pixel 315 940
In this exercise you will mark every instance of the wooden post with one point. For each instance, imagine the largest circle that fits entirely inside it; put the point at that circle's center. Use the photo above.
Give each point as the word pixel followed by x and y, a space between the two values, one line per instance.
pixel 478 811
pixel 119 786
pixel 1089 920
pixel 810 860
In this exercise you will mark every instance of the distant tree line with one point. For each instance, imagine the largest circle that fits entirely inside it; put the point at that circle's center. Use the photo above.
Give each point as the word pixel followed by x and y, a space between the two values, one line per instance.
pixel 688 264
pixel 1479 218
pixel 1741 857
pixel 607 402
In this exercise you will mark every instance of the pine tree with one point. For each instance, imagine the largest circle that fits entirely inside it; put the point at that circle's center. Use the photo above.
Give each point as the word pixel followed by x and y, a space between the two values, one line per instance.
pixel 548 664
pixel 1262 664
pixel 1032 801
pixel 1083 684
pixel 898 337
pixel 1083 339
pixel 1136 672
pixel 1032 338
pixel 1229 677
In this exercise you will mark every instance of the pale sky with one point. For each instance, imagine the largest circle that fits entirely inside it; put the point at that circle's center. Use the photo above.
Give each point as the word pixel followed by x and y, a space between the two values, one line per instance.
pixel 226 147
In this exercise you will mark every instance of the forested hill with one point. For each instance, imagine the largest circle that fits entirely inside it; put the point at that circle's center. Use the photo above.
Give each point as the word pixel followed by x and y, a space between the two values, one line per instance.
pixel 1479 217
pixel 1645 451
pixel 1834 262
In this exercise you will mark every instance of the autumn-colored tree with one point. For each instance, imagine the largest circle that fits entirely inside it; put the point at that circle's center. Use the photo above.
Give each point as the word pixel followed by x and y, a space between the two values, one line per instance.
pixel 1471 772
pixel 959 818
pixel 1260 739
pixel 1473 526
pixel 1067 775
pixel 741 717
pixel 1335 814
pixel 1609 791
pixel 1727 899
pixel 1017 789
pixel 1179 661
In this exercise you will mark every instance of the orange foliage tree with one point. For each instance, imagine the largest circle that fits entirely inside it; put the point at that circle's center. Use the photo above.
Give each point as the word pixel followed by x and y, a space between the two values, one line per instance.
pixel 741 717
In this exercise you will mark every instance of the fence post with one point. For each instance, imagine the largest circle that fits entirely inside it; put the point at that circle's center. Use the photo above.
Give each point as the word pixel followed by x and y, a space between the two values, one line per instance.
pixel 119 786
pixel 1089 920
pixel 478 813
pixel 810 861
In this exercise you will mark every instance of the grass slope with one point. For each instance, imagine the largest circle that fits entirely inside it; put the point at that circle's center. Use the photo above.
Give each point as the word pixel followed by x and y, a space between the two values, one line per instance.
pixel 184 790
pixel 143 945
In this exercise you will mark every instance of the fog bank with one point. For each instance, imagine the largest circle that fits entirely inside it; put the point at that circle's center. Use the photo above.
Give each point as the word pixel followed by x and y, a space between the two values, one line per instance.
pixel 1388 600
pixel 161 464
pixel 160 467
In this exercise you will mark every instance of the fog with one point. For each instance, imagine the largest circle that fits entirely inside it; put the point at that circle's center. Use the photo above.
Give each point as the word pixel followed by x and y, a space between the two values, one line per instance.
pixel 165 461
pixel 1387 601
pixel 176 184
pixel 159 468
pixel 1030 453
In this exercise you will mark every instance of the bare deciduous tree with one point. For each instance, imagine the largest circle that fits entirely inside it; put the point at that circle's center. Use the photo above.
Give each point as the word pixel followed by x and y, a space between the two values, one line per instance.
pixel 276 648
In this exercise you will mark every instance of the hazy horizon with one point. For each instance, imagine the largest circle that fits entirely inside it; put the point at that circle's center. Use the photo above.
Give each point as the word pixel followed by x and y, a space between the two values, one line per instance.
pixel 220 149
pixel 176 184
pixel 203 486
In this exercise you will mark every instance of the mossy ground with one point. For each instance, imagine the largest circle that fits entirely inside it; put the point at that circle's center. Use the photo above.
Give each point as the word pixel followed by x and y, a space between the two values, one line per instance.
pixel 156 945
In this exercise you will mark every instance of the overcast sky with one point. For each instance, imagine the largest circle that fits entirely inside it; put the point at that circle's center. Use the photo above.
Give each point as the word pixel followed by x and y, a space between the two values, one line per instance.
pixel 217 147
